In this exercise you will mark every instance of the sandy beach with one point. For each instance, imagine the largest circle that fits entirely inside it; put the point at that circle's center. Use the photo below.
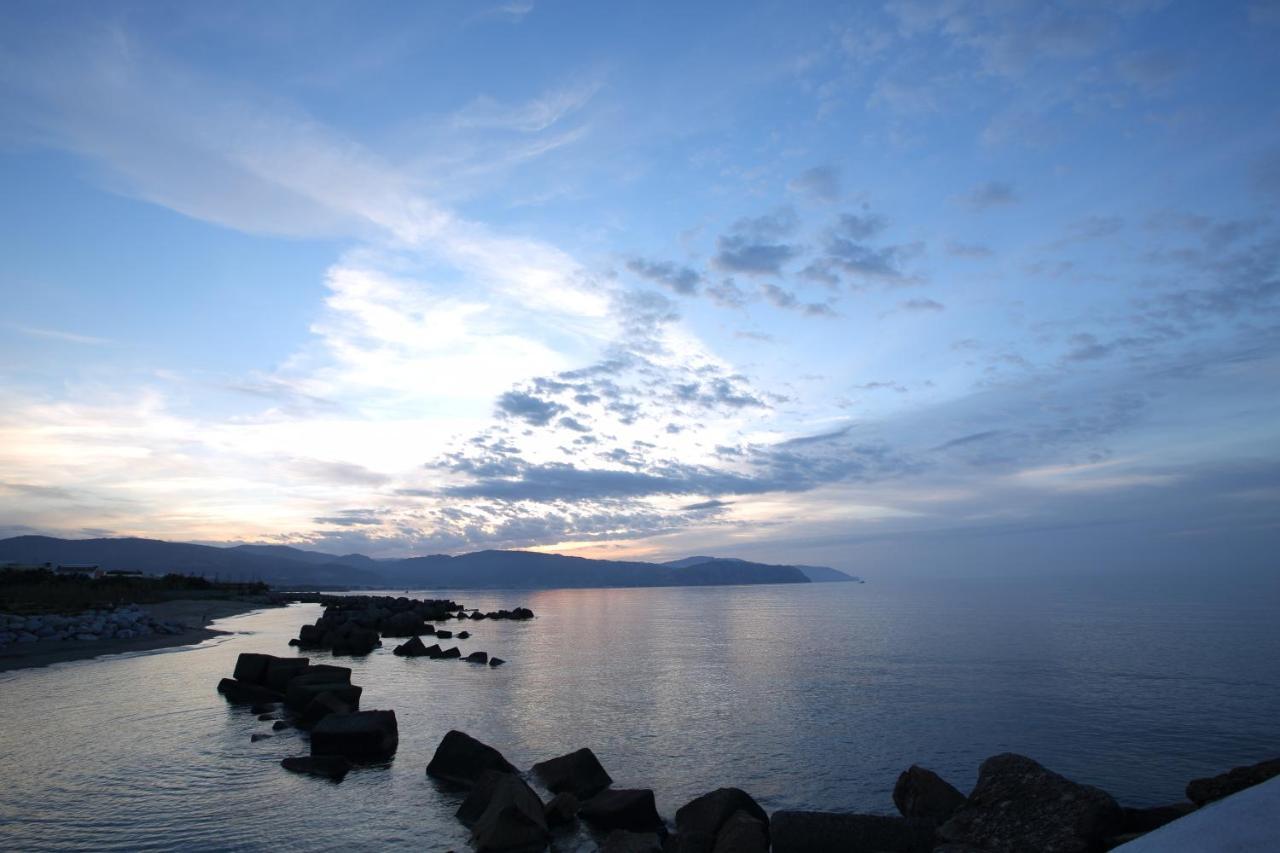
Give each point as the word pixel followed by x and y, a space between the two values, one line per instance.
pixel 195 614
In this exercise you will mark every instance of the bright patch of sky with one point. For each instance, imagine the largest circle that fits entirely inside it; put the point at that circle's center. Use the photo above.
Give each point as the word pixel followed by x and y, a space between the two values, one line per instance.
pixel 958 284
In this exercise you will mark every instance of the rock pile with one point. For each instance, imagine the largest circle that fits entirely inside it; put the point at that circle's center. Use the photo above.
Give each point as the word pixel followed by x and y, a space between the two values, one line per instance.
pixel 320 699
pixel 122 623
pixel 355 624
pixel 1016 806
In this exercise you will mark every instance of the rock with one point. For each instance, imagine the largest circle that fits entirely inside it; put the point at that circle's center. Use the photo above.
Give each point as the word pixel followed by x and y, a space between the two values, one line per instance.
pixel 1202 791
pixel 280 671
pixel 326 766
pixel 1019 805
pixel 830 832
pixel 264 708
pixel 359 735
pixel 451 653
pixel 412 649
pixel 623 808
pixel 321 707
pixel 742 833
pixel 406 624
pixel 1145 820
pixel 257 736
pixel 461 759
pixel 478 798
pixel 31 638
pixel 280 725
pixel 478 657
pixel 262 718
pixel 246 694
pixel 433 652
pixel 923 794
pixel 622 841
pixel 251 668
pixel 561 810
pixel 304 689
pixel 464 635
pixel 698 822
pixel 580 773
pixel 124 634
pixel 496 661
pixel 360 641
pixel 512 818
pixel 443 635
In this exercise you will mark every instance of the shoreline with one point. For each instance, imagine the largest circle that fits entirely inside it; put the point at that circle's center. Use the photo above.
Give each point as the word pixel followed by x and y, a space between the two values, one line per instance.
pixel 194 614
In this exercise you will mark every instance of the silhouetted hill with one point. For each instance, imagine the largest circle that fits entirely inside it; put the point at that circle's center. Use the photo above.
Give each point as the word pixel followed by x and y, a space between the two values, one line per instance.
pixel 155 556
pixel 285 566
pixel 815 574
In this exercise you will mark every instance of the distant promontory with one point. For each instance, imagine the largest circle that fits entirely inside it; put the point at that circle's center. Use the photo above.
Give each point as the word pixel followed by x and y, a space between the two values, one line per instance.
pixel 285 566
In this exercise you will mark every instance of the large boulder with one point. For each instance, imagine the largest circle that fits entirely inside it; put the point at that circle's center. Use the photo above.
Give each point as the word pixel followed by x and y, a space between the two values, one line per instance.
pixel 414 648
pixel 622 841
pixel 923 794
pixel 504 813
pixel 742 833
pixel 478 657
pixel 405 624
pixel 1019 805
pixel 304 689
pixel 562 809
pixel 1141 821
pixel 359 735
pixel 1203 791
pixel 461 759
pixel 240 693
pixel 621 808
pixel 325 766
pixel 699 822
pixel 280 671
pixel 451 653
pixel 580 773
pixel 830 832
pixel 358 641
pixel 252 668
pixel 322 706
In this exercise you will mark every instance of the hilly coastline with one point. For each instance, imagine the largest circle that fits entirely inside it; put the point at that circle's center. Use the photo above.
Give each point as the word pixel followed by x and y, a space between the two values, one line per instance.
pixel 285 566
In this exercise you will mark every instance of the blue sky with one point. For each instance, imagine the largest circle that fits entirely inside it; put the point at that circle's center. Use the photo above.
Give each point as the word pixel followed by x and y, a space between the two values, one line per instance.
pixel 972 286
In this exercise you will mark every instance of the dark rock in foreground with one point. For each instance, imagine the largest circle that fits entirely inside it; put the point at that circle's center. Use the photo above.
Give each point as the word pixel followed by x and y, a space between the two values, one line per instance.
pixel 622 841
pixel 451 653
pixel 1142 821
pixel 359 735
pixel 461 759
pixel 496 661
pixel 326 766
pixel 415 648
pixel 925 795
pixel 700 822
pixel 562 809
pixel 1019 805
pixel 241 693
pixel 742 833
pixel 510 816
pixel 1203 791
pixel 478 657
pixel 829 832
pixel 579 773
pixel 632 809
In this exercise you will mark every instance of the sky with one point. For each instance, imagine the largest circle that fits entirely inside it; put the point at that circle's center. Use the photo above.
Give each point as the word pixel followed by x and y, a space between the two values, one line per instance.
pixel 967 287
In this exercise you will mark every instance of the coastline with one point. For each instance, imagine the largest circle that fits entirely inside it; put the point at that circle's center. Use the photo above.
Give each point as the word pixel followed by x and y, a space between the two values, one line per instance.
pixel 194 614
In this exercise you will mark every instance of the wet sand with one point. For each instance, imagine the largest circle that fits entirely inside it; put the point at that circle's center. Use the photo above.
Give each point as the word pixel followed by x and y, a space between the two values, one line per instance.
pixel 195 614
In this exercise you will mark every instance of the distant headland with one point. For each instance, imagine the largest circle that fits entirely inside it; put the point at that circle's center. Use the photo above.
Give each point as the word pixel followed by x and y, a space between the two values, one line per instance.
pixel 296 568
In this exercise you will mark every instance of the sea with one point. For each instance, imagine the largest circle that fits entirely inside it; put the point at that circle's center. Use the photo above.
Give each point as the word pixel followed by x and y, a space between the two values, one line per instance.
pixel 808 696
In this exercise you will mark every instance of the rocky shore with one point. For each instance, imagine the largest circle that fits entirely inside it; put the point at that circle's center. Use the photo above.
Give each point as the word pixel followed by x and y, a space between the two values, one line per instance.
pixel 1017 805
pixel 48 638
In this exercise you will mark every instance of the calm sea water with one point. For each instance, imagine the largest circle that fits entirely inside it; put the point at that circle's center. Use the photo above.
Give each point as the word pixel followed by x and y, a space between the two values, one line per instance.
pixel 811 696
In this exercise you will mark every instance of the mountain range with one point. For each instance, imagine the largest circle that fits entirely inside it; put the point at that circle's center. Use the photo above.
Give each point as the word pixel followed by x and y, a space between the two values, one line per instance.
pixel 285 566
